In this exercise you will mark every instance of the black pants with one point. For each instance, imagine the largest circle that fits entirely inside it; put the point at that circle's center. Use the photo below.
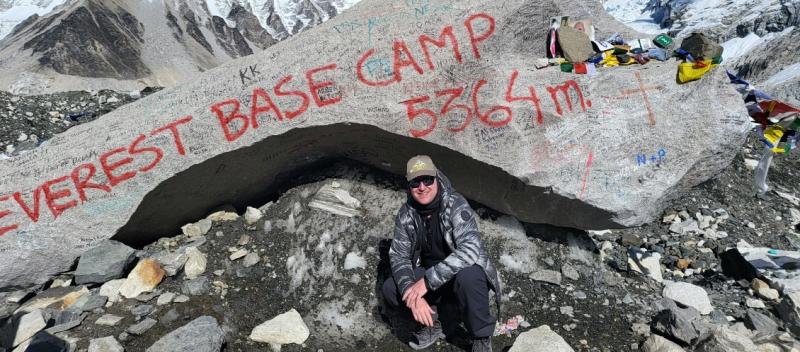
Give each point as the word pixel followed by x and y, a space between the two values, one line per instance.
pixel 469 290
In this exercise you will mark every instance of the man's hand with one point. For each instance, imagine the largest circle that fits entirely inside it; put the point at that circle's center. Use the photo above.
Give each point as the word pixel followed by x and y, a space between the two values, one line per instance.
pixel 415 292
pixel 422 312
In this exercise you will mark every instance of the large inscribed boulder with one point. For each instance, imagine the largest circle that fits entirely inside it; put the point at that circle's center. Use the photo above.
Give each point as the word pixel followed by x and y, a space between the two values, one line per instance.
pixel 379 83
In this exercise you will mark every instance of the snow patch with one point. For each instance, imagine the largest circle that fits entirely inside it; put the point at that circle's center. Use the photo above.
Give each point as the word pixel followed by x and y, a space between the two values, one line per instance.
pixel 346 320
pixel 632 14
pixel 738 47
pixel 517 252
pixel 297 267
pixel 354 261
pixel 787 74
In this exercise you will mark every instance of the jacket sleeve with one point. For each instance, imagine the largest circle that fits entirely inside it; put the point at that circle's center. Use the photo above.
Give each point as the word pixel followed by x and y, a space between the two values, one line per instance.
pixel 467 244
pixel 400 254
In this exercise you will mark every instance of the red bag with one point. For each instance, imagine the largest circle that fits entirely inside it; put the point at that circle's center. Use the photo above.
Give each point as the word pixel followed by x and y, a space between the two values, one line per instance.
pixel 580 68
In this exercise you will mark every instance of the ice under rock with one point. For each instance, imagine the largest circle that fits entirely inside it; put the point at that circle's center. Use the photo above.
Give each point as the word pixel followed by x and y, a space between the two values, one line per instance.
pixel 336 201
pixel 353 261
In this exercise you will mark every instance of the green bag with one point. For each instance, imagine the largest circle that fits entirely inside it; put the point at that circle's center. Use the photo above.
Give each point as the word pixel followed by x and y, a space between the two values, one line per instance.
pixel 663 41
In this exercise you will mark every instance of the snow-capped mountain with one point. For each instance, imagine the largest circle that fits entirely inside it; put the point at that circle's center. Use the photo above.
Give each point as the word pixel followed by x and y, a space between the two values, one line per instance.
pixel 12 12
pixel 128 44
pixel 273 15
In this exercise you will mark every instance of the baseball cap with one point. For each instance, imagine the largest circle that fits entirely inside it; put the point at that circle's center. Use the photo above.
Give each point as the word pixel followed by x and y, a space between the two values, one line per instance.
pixel 420 165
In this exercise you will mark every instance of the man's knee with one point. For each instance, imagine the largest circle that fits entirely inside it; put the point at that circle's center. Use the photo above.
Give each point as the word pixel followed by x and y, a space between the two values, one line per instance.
pixel 469 276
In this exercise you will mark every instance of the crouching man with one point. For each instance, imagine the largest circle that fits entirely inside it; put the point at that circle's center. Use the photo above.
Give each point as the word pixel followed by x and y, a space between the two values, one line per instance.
pixel 437 258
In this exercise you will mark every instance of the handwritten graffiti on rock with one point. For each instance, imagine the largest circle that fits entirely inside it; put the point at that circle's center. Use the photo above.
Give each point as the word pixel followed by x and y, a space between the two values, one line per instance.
pixel 96 177
pixel 403 59
pixel 249 74
pixel 293 102
pixel 643 159
pixel 71 190
pixel 573 155
pixel 494 116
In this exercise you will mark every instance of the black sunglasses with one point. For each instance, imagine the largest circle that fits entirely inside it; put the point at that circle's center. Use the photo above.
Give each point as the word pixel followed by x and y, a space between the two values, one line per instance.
pixel 427 180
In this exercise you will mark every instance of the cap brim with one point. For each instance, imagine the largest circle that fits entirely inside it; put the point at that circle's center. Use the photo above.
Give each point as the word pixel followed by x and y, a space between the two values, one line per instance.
pixel 419 173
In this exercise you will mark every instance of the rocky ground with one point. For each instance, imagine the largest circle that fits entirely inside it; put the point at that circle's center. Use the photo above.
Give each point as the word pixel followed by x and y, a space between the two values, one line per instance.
pixel 219 284
pixel 26 121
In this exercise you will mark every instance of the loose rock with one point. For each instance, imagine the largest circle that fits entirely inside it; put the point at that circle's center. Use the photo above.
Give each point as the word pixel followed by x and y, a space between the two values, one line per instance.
pixel 111 290
pixel 540 339
pixel 165 298
pixel 29 324
pixel 143 278
pixel 106 261
pixel 200 335
pixel 284 329
pixel 141 327
pixel 195 263
pixel 639 260
pixel 108 320
pixel 252 215
pixel 548 276
pixel 688 295
pixel 196 287
pixel 656 343
pixel 250 259
pixel 105 344
pixel 723 339
pixel 199 228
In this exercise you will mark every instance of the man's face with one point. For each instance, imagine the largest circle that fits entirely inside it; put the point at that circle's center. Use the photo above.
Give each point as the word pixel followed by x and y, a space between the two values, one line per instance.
pixel 425 190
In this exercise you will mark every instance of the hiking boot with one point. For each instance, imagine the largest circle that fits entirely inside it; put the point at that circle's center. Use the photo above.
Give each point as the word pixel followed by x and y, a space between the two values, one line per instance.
pixel 482 344
pixel 427 336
